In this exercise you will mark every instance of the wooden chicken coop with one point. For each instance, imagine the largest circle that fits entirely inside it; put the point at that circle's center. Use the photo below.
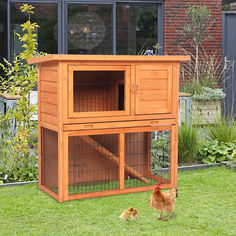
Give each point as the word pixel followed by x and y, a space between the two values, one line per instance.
pixel 107 124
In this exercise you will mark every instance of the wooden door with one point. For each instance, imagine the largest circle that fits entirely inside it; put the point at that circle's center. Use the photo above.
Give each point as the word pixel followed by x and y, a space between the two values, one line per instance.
pixel 153 89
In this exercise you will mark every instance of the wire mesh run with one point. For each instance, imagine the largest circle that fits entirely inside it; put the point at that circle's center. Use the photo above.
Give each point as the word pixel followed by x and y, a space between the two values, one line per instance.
pixel 49 162
pixel 147 158
pixel 96 91
pixel 93 163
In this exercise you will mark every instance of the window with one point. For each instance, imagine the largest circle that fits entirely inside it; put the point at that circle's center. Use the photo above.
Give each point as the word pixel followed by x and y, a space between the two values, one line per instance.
pixel 90 27
pixel 136 28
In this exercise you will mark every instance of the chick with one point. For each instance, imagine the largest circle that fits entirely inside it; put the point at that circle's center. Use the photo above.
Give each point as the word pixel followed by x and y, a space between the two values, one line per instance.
pixel 130 213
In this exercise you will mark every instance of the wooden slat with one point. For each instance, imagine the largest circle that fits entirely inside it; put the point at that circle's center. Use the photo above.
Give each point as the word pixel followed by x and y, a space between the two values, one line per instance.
pixel 49 119
pixel 153 95
pixel 48 74
pixel 151 84
pixel 107 58
pixel 49 87
pixel 125 124
pixel 155 127
pixel 50 98
pixel 148 74
pixel 48 191
pixel 112 157
pixel 116 191
pixel 49 109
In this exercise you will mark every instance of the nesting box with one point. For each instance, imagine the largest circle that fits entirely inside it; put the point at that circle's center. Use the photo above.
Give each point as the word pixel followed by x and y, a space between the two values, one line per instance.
pixel 107 124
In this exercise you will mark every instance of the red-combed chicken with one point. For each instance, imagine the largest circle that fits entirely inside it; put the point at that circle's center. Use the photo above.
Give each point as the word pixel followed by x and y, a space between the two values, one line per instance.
pixel 163 201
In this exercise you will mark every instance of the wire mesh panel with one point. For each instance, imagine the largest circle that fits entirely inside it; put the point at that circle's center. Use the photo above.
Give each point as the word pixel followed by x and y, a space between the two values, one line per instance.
pixel 147 158
pixel 93 163
pixel 49 164
pixel 98 91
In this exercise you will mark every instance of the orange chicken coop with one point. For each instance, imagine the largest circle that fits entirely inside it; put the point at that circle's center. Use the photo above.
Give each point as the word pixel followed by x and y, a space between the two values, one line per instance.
pixel 107 124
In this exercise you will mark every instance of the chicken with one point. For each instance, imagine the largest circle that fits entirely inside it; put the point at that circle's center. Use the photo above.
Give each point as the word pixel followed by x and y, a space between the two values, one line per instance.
pixel 163 201
pixel 130 213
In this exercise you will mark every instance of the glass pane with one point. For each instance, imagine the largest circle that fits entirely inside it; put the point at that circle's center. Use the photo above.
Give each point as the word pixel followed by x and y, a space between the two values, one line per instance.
pixel 136 28
pixel 89 29
pixel 45 14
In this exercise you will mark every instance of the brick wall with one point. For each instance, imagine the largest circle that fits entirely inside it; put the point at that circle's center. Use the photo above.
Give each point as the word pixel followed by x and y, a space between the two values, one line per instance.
pixel 174 18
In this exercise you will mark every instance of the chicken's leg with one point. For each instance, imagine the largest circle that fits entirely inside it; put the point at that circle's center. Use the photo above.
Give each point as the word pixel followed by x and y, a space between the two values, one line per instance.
pixel 167 218
pixel 160 218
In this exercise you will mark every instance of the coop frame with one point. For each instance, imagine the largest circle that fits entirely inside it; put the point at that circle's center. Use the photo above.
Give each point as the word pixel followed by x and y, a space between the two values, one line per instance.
pixel 63 164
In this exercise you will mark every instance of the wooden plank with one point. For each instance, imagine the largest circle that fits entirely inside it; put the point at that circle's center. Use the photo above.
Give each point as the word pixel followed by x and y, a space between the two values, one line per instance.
pixel 49 74
pixel 151 84
pixel 109 58
pixel 40 134
pixel 153 73
pixel 45 118
pixel 48 126
pixel 119 130
pixel 65 165
pixel 111 125
pixel 153 95
pixel 50 98
pixel 115 192
pixel 49 192
pixel 49 109
pixel 112 157
pixel 47 86
pixel 122 161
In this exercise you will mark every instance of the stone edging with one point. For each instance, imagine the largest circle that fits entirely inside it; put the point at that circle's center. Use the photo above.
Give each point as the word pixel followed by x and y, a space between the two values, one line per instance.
pixel 180 168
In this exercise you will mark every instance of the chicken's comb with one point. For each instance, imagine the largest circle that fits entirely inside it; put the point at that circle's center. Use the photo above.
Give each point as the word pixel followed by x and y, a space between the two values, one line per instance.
pixel 159 183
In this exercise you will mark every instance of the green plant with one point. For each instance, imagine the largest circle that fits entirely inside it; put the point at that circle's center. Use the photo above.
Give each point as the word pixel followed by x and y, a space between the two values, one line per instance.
pixel 187 143
pixel 232 165
pixel 208 94
pixel 224 131
pixel 198 21
pixel 20 79
pixel 212 152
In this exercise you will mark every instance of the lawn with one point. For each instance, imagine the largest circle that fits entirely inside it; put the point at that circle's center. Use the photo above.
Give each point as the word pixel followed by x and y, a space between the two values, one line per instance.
pixel 206 206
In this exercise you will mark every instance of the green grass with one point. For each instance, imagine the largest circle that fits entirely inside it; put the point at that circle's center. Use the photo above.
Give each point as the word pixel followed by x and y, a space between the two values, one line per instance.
pixel 206 206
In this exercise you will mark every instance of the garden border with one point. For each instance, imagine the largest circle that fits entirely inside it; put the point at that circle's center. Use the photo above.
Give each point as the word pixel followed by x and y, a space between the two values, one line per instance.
pixel 180 168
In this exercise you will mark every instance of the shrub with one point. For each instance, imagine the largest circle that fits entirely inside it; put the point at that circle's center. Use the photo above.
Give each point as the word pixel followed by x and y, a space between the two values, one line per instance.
pixel 187 143
pixel 19 153
pixel 212 152
pixel 224 131
pixel 208 94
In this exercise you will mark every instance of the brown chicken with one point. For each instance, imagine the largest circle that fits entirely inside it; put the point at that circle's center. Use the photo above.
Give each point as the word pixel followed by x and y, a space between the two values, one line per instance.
pixel 163 201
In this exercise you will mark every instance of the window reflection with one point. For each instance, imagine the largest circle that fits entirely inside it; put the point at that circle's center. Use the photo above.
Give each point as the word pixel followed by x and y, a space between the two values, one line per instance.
pixel 89 29
pixel 136 28
pixel 45 15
